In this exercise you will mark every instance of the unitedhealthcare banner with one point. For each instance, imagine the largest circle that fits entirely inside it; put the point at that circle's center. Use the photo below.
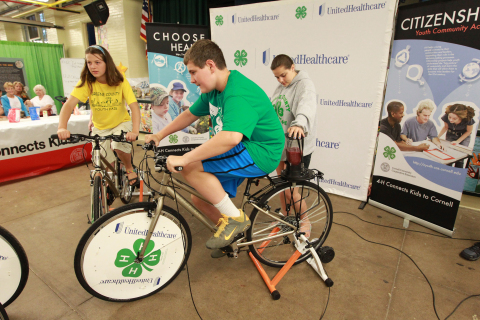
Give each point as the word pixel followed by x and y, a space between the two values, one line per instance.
pixel 343 45
pixel 167 44
pixel 435 60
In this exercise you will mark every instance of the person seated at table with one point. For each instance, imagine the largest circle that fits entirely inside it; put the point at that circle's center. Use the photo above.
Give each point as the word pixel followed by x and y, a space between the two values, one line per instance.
pixel 44 101
pixel 20 92
pixel 11 101
pixel 458 123
pixel 390 126
pixel 2 113
pixel 420 128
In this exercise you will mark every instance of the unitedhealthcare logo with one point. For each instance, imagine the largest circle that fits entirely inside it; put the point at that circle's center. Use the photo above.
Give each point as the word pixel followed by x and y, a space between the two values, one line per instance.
pixel 119 228
pixel 254 18
pixel 321 10
pixel 266 57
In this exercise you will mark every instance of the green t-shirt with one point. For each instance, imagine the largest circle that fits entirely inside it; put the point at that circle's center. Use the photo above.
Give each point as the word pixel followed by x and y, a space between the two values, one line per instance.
pixel 244 107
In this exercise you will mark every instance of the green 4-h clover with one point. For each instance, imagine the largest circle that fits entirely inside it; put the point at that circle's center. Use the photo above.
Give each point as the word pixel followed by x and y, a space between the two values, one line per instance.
pixel 301 12
pixel 389 152
pixel 241 58
pixel 173 138
pixel 126 259
pixel 219 20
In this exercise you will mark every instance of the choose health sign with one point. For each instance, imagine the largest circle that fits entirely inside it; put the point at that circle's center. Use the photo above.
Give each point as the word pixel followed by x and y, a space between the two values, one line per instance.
pixel 343 45
pixel 435 59
pixel 167 44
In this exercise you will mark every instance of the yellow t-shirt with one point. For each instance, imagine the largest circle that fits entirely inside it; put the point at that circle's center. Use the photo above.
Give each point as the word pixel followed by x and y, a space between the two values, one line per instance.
pixel 107 103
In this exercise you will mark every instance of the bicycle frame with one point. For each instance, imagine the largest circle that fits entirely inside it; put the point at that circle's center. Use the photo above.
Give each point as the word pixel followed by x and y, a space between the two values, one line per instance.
pixel 168 186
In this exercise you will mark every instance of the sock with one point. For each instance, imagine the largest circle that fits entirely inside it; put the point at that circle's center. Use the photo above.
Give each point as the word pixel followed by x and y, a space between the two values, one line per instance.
pixel 227 207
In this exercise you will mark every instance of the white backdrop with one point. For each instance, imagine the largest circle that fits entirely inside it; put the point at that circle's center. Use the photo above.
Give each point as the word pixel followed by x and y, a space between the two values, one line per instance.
pixel 343 45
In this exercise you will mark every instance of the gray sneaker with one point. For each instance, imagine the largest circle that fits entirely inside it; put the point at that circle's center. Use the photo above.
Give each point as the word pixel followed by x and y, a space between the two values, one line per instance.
pixel 228 228
pixel 217 253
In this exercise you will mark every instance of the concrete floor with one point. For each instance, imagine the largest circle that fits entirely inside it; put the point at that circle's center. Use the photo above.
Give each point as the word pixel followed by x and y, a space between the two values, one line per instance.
pixel 47 214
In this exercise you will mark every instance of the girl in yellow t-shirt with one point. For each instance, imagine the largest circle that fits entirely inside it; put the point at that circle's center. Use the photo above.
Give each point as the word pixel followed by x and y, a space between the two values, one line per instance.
pixel 107 89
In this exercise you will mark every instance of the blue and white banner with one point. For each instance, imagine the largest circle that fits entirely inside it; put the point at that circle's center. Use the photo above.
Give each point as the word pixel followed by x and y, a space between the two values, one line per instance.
pixel 435 68
pixel 167 44
pixel 343 45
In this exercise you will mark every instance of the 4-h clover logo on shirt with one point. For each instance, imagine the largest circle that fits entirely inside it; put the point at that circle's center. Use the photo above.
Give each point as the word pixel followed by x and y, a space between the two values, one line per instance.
pixel 301 12
pixel 241 58
pixel 389 152
pixel 219 20
pixel 126 258
pixel 173 138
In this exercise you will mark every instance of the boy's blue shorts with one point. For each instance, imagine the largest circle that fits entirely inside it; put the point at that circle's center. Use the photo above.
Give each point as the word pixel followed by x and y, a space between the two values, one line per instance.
pixel 232 167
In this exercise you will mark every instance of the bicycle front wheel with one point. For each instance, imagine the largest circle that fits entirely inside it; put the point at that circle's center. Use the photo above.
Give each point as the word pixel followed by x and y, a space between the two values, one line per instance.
pixel 309 202
pixel 97 199
pixel 106 263
pixel 13 267
pixel 3 313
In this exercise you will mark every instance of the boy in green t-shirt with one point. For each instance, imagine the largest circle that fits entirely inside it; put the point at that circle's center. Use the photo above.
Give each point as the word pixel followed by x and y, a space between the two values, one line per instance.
pixel 248 139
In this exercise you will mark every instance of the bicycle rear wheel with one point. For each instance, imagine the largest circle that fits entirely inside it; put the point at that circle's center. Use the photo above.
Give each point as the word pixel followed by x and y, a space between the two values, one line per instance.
pixel 3 313
pixel 315 209
pixel 98 209
pixel 105 260
pixel 13 267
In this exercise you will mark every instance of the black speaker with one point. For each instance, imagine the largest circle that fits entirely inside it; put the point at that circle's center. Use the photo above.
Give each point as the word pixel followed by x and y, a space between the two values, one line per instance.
pixel 98 12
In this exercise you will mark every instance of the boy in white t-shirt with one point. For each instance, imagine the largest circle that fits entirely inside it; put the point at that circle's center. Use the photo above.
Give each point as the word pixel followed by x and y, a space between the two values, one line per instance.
pixel 160 116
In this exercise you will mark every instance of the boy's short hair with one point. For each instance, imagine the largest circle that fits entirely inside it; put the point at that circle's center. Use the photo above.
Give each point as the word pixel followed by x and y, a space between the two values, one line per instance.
pixel 204 50
pixel 7 84
pixel 394 106
pixel 425 104
pixel 281 60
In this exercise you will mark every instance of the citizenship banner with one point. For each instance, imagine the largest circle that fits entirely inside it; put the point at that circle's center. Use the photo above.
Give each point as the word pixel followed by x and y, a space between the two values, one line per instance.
pixel 434 73
pixel 343 45
pixel 170 82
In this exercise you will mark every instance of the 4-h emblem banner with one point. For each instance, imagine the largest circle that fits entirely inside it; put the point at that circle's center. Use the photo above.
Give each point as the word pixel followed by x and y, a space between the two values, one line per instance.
pixel 434 73
pixel 343 45
pixel 170 88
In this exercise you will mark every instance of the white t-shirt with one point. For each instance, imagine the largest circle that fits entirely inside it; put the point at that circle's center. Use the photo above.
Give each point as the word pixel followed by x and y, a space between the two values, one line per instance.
pixel 42 103
pixel 15 103
pixel 158 123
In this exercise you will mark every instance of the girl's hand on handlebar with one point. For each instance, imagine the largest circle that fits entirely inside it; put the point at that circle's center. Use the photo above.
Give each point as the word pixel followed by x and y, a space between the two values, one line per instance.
pixel 63 134
pixel 132 136
pixel 90 125
pixel 152 137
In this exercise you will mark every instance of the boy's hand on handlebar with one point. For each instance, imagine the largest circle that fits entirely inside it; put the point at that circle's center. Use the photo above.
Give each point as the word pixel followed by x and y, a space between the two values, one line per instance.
pixel 152 137
pixel 175 162
pixel 132 136
pixel 296 132
pixel 63 134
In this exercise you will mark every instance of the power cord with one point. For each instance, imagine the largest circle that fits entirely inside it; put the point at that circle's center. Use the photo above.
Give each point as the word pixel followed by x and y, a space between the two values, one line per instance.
pixel 386 245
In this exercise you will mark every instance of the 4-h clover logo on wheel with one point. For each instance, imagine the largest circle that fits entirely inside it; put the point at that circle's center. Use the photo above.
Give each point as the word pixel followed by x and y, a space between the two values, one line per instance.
pixel 389 152
pixel 301 12
pixel 219 20
pixel 173 138
pixel 126 259
pixel 241 58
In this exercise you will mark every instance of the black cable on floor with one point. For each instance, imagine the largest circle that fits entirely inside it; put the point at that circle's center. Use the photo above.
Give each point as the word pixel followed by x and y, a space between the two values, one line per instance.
pixel 326 305
pixel 186 263
pixel 386 245
pixel 403 229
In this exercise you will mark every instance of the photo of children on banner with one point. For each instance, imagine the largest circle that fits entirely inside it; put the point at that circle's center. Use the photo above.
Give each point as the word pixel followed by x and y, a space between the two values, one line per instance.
pixel 176 105
pixel 458 126
pixel 159 109
pixel 390 126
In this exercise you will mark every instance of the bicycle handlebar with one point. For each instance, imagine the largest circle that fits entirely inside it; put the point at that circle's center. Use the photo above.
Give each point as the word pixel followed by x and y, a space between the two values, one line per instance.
pixel 74 138
pixel 159 160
